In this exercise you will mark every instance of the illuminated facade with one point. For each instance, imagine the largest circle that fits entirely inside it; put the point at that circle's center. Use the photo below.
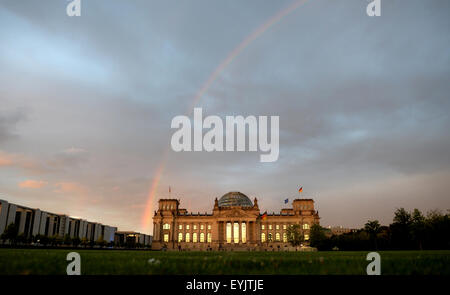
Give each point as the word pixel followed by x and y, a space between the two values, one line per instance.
pixel 33 222
pixel 234 224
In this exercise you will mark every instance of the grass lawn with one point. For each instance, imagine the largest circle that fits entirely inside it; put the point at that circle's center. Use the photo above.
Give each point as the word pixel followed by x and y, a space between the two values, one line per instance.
pixel 122 262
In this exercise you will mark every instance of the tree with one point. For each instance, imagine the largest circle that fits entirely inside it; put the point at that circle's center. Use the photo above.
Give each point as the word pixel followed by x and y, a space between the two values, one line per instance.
pixel 11 233
pixel 101 242
pixel 317 236
pixel 403 217
pixel 294 235
pixel 76 241
pixel 52 240
pixel 67 240
pixel 418 228
pixel 84 242
pixel 401 229
pixel 21 238
pixel 44 240
pixel 373 228
pixel 437 229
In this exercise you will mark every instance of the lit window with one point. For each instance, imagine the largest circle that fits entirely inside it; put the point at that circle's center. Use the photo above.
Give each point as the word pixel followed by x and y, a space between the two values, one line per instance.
pixel 166 237
pixel 209 226
pixel 277 226
pixel 187 226
pixel 262 226
pixel 284 237
pixel 277 237
pixel 180 237
pixel 209 237
pixel 270 237
pixel 270 226
pixel 284 226
pixel 306 237
pixel 263 237
pixel 236 233
pixel 202 227
pixel 305 226
pixel 228 232
pixel 195 226
pixel 166 226
pixel 202 237
pixel 244 232
pixel 194 238
pixel 180 226
pixel 188 237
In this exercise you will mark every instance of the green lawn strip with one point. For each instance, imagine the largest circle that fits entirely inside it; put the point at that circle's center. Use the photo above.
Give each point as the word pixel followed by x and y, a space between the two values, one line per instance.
pixel 123 262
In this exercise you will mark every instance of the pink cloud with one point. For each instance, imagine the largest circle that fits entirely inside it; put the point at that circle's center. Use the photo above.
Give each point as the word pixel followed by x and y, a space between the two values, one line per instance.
pixel 69 187
pixel 33 183
pixel 21 161
pixel 6 159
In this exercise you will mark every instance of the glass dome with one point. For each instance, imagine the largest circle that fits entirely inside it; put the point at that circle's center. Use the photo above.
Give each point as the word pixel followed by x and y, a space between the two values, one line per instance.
pixel 235 199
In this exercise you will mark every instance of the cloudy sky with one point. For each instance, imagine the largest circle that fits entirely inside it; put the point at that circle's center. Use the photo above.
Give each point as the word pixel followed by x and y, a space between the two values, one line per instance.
pixel 86 105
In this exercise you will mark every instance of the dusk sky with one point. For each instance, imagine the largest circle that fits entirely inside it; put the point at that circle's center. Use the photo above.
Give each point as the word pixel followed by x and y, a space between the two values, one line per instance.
pixel 86 105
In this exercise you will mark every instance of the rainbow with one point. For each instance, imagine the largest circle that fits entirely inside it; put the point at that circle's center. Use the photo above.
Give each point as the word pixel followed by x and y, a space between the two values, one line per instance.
pixel 147 216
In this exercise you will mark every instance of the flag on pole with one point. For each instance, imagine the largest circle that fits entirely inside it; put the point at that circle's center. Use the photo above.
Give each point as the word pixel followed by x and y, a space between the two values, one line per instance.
pixel 286 201
pixel 300 189
pixel 264 216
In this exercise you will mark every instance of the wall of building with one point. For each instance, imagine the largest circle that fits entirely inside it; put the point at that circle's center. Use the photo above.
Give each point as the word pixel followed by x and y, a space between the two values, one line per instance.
pixel 4 208
pixel 33 222
pixel 229 227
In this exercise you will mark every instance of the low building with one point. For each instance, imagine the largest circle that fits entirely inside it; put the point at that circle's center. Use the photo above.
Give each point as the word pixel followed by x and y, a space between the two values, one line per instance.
pixel 235 223
pixel 131 238
pixel 32 222
pixel 339 230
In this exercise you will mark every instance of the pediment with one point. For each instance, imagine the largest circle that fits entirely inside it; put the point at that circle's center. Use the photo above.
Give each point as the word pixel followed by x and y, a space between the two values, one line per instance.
pixel 237 213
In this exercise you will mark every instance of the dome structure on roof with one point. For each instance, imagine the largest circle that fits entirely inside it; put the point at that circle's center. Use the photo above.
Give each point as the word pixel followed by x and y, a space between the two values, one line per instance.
pixel 235 199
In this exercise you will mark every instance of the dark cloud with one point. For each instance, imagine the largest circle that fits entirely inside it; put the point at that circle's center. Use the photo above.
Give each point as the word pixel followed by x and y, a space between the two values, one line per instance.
pixel 363 104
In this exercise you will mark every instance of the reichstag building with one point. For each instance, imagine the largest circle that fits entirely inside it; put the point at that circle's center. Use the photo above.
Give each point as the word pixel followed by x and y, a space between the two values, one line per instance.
pixel 235 223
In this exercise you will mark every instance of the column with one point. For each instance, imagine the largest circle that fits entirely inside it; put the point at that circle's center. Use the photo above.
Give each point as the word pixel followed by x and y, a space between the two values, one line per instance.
pixel 247 231
pixel 154 230
pixel 234 231
pixel 239 232
pixel 226 229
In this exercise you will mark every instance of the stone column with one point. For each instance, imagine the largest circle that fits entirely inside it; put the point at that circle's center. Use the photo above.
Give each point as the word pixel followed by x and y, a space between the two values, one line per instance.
pixel 232 232
pixel 256 232
pixel 224 231
pixel 239 231
pixel 158 230
pixel 247 231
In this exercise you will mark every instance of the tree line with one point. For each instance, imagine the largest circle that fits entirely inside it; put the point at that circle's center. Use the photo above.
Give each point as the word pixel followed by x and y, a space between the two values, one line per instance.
pixel 408 231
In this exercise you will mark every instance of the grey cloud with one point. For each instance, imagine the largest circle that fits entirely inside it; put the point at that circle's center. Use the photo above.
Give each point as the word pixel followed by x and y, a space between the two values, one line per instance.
pixel 363 102
pixel 9 119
